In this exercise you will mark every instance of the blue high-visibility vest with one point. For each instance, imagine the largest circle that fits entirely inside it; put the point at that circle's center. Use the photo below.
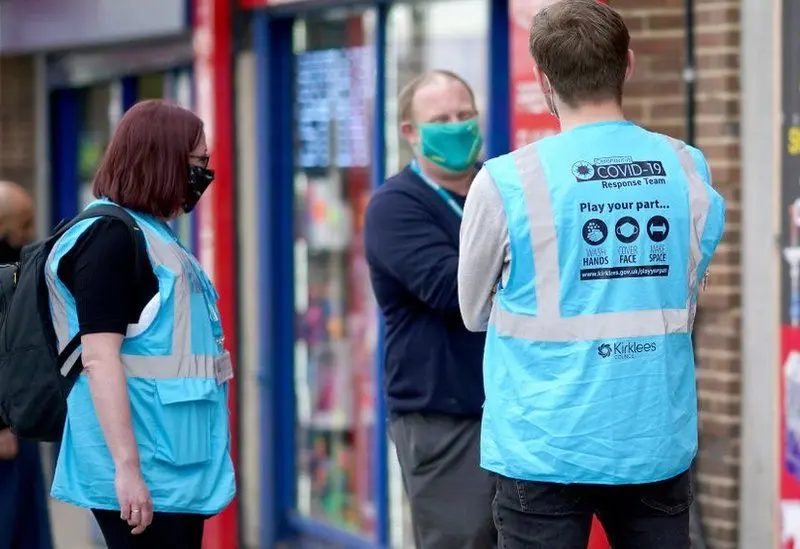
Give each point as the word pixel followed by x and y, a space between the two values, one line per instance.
pixel 177 372
pixel 589 366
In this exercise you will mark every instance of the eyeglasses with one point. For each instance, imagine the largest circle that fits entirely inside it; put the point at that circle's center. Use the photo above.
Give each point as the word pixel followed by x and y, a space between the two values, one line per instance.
pixel 202 159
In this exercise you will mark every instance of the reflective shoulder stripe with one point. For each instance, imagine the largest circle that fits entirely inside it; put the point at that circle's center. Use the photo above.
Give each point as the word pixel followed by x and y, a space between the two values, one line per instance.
pixel 542 227
pixel 519 289
pixel 699 203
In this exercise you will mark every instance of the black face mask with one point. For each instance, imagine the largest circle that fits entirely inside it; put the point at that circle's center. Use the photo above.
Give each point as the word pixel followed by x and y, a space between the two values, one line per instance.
pixel 8 253
pixel 199 180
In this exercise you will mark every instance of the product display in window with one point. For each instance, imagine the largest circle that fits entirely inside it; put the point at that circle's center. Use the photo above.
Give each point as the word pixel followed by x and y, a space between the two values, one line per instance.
pixel 336 323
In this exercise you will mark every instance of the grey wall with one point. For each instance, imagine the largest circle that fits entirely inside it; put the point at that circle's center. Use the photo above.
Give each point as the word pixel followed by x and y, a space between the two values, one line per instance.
pixel 760 70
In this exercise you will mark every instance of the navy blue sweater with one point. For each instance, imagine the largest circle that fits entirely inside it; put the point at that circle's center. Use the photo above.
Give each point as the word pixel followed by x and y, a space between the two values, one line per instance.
pixel 432 362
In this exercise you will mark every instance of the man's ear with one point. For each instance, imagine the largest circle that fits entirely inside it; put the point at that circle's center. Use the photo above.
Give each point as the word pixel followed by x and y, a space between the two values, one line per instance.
pixel 631 65
pixel 542 80
pixel 409 132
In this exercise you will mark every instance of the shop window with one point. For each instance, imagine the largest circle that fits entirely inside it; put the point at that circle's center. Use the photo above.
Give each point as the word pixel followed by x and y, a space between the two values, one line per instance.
pixel 101 108
pixel 336 324
pixel 150 86
pixel 420 37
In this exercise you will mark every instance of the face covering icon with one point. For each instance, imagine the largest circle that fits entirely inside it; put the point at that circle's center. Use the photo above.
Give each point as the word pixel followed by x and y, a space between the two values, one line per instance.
pixel 454 146
pixel 627 230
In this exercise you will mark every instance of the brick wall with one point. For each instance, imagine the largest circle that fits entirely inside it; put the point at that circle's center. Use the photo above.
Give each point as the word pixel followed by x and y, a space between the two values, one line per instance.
pixel 17 112
pixel 655 98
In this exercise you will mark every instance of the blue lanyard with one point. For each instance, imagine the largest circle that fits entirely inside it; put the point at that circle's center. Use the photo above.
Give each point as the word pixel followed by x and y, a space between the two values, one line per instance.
pixel 449 200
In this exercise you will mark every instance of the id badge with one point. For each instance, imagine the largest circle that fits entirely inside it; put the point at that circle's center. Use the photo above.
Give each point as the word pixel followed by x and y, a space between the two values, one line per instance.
pixel 223 368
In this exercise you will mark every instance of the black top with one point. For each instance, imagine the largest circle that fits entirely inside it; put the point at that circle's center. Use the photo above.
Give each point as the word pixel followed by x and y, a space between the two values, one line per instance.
pixel 100 271
pixel 433 363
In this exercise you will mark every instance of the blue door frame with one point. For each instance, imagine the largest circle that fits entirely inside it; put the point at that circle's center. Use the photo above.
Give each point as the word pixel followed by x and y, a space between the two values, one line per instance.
pixel 272 43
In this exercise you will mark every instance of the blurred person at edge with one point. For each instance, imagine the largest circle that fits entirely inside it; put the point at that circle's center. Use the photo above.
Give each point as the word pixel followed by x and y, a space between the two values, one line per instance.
pixel 24 518
pixel 591 404
pixel 146 442
pixel 433 363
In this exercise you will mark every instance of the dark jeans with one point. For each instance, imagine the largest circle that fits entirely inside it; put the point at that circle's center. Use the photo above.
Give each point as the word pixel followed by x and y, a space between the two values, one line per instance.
pixel 542 515
pixel 167 531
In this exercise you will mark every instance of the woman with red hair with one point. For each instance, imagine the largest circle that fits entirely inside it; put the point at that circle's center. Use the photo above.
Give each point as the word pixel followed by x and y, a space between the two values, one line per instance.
pixel 146 442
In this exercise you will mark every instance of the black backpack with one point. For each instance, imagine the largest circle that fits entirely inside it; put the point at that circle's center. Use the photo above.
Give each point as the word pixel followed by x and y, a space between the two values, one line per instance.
pixel 33 389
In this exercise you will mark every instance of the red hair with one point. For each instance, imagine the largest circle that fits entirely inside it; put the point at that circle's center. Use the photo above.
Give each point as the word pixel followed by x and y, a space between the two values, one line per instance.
pixel 145 167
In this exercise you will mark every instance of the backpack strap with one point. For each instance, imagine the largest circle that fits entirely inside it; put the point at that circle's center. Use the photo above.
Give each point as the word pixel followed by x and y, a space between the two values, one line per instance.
pixel 101 210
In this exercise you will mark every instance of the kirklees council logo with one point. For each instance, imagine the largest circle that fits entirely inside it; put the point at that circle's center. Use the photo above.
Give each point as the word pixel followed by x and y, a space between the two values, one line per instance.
pixel 622 350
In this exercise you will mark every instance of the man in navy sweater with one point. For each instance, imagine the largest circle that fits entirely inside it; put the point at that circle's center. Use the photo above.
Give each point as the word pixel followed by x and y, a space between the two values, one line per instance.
pixel 434 385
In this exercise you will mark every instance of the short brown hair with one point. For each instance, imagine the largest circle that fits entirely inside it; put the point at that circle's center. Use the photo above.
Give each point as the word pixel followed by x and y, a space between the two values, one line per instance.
pixel 582 48
pixel 405 101
pixel 146 165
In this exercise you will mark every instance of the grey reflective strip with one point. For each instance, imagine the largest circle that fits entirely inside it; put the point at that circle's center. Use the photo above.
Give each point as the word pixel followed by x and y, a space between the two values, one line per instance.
pixel 58 308
pixel 543 230
pixel 590 327
pixel 180 363
pixel 548 325
pixel 167 367
pixel 70 362
pixel 699 203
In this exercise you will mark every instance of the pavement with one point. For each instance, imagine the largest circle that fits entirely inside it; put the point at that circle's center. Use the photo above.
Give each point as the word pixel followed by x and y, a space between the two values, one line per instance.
pixel 70 525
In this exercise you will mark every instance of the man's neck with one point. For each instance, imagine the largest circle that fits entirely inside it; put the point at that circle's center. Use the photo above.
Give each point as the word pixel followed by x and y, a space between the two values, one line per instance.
pixel 589 113
pixel 458 183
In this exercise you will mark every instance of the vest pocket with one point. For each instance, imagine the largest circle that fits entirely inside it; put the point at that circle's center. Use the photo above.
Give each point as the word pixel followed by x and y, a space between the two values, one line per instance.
pixel 185 421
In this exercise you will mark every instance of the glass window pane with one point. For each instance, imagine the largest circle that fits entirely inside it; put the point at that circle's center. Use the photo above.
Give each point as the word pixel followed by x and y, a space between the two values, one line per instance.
pixel 150 86
pixel 335 311
pixel 450 35
pixel 101 107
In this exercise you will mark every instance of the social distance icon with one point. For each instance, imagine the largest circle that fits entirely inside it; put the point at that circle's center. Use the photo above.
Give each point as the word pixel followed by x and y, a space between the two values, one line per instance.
pixel 658 228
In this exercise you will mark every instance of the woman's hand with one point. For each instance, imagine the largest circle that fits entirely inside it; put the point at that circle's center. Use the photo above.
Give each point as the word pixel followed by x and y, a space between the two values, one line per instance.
pixel 135 503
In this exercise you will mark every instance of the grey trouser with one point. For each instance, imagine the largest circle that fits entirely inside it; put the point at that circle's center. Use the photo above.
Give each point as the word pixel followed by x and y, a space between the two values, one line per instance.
pixel 450 495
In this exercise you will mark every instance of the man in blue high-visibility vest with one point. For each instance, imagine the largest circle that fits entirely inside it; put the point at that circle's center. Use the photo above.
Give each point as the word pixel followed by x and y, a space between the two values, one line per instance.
pixel 581 256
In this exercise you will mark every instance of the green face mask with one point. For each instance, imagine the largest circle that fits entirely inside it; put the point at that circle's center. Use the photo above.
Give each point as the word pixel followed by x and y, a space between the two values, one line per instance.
pixel 453 146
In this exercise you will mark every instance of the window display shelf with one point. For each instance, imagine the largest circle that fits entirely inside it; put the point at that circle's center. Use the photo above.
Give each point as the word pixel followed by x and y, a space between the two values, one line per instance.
pixel 334 319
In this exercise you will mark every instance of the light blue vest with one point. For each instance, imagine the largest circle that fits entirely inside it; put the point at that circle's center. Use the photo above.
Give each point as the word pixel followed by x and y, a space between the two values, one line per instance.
pixel 177 374
pixel 589 367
